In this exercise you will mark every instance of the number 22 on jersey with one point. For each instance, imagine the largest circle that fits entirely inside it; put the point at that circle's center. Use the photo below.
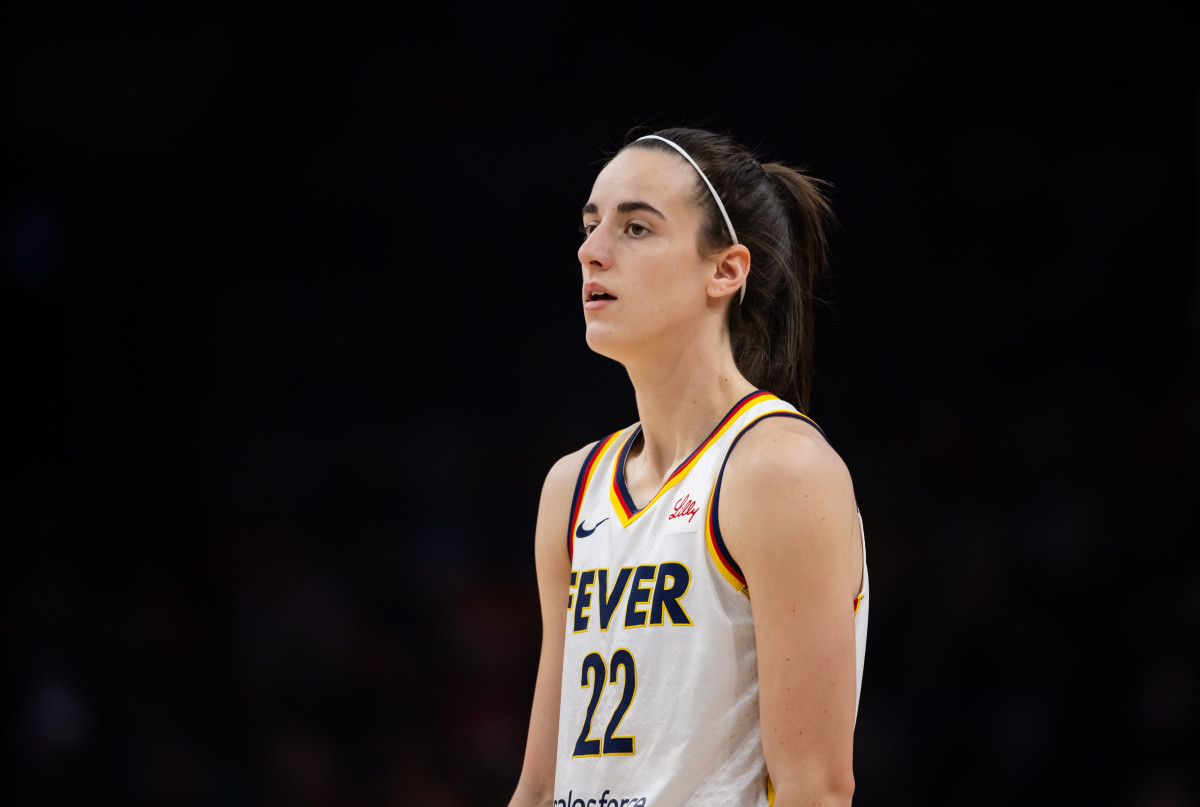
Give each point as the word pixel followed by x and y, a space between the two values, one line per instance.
pixel 593 668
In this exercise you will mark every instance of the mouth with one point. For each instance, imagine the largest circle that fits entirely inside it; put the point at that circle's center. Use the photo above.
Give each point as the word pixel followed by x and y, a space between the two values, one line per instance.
pixel 595 296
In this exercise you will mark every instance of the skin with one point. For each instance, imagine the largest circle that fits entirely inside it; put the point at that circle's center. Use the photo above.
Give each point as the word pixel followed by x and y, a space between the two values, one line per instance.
pixel 536 785
pixel 787 508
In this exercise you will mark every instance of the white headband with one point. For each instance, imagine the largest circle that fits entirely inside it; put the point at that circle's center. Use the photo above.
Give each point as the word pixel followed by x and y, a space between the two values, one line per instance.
pixel 711 189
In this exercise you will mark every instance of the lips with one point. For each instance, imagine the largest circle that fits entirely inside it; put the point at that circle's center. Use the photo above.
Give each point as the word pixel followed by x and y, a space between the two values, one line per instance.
pixel 595 293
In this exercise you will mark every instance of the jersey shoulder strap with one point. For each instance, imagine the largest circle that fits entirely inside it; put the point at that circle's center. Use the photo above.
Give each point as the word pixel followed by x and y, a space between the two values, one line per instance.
pixel 586 472
pixel 716 544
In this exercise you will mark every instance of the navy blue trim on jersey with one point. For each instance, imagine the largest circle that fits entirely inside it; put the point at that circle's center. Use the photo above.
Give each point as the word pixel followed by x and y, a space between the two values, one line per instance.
pixel 580 483
pixel 619 476
pixel 716 498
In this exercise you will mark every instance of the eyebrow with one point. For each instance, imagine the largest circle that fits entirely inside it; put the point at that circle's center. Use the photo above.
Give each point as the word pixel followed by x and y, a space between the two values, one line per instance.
pixel 626 207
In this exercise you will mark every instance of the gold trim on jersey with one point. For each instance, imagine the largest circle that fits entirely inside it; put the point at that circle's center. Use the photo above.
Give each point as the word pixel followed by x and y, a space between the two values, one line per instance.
pixel 618 493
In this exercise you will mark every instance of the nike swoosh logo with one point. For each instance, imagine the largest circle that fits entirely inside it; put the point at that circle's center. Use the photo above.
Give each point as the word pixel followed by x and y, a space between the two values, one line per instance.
pixel 580 532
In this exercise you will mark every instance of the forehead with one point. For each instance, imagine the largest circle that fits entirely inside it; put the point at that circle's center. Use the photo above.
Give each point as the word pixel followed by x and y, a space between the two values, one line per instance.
pixel 646 175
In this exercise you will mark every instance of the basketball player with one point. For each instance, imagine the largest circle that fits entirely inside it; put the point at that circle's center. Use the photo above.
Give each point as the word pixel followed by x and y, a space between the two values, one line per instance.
pixel 702 573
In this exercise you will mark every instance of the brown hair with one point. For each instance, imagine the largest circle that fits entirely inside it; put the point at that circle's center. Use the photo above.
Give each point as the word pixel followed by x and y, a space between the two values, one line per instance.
pixel 780 215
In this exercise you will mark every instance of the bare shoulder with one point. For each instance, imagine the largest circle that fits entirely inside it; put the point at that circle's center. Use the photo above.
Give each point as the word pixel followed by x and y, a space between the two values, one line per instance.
pixel 785 486
pixel 555 505
pixel 560 481
pixel 780 452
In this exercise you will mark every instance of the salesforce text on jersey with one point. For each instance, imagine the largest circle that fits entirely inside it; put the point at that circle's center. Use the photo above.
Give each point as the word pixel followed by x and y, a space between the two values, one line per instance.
pixel 604 801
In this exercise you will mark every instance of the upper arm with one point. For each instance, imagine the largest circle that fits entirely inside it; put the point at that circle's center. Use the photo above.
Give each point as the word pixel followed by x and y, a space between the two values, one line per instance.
pixel 789 519
pixel 553 574
pixel 550 538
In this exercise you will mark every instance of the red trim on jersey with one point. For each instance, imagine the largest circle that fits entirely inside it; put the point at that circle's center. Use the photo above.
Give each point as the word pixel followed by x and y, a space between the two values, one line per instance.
pixel 717 547
pixel 620 492
pixel 581 485
pixel 716 542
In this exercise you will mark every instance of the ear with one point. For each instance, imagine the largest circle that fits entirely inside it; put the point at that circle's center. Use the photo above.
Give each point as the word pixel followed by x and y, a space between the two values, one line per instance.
pixel 730 271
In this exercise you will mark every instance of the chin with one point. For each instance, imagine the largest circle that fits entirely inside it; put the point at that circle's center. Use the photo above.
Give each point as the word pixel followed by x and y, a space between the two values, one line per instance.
pixel 602 339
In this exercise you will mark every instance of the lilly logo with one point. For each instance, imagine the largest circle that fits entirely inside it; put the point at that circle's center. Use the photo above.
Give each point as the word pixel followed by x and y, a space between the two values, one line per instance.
pixel 684 507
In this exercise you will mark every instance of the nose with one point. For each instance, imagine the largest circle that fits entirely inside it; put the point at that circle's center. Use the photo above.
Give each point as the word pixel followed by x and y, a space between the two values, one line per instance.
pixel 595 251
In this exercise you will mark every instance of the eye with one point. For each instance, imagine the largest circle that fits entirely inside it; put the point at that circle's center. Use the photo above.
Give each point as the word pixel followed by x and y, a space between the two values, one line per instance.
pixel 636 230
pixel 588 228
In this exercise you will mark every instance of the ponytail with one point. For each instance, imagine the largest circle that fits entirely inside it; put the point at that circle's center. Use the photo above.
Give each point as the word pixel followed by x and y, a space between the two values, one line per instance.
pixel 772 332
pixel 780 215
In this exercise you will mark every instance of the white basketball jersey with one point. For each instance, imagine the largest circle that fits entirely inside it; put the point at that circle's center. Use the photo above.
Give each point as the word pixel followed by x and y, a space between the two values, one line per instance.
pixel 660 677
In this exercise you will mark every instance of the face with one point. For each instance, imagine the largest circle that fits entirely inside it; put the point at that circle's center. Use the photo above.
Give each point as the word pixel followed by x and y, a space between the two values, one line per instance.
pixel 645 283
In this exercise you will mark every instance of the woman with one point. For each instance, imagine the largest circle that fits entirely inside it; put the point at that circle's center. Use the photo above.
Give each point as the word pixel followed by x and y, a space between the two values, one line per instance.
pixel 712 572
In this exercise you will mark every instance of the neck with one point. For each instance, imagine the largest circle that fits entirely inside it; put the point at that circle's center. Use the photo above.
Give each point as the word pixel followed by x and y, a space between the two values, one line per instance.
pixel 681 399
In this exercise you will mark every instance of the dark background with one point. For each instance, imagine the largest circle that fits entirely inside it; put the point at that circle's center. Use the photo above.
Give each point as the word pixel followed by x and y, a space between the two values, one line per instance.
pixel 292 335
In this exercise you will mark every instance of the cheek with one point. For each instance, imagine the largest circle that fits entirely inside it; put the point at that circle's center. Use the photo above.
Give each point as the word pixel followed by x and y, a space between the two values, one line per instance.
pixel 680 287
